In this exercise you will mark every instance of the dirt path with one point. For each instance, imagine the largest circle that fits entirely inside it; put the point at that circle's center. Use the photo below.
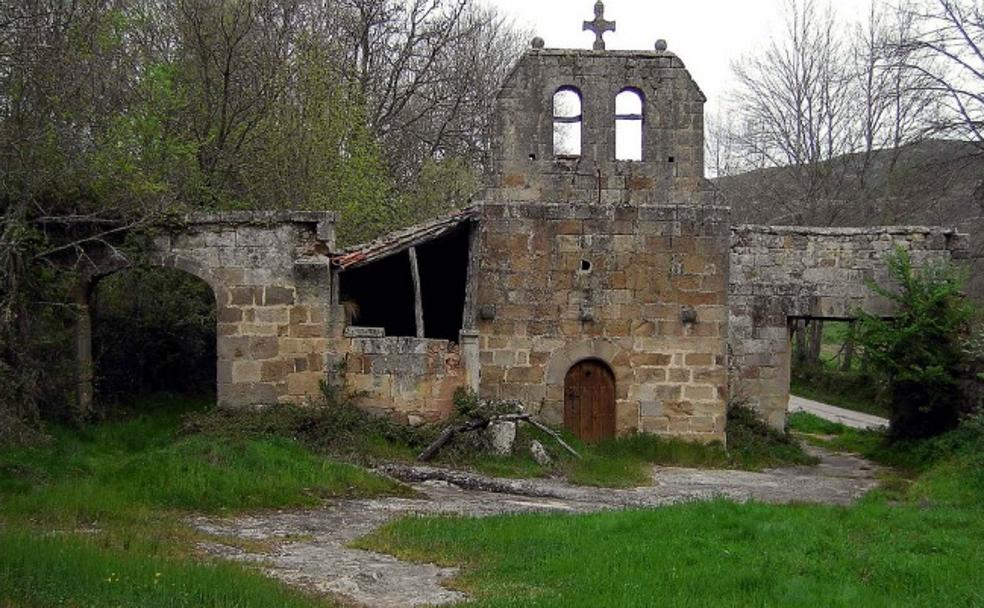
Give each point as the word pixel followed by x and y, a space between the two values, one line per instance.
pixel 308 548
pixel 857 420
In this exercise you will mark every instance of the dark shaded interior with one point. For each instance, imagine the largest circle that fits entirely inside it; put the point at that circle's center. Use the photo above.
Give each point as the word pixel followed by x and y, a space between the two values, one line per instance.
pixel 153 330
pixel 382 294
pixel 443 277
pixel 382 291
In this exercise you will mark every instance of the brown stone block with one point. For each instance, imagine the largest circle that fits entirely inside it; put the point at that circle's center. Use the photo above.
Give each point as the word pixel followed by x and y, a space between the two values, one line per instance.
pixel 658 243
pixel 307 331
pixel 227 329
pixel 298 315
pixel 650 359
pixel 655 424
pixel 696 264
pixel 699 359
pixel 277 315
pixel 703 424
pixel 680 425
pixel 525 375
pixel 698 393
pixel 263 347
pixel 275 371
pixel 316 363
pixel 679 374
pixel 617 328
pixel 568 227
pixel 243 296
pixel 670 392
pixel 699 298
pixel 639 183
pixel 274 296
pixel 354 364
pixel 643 328
pixel 646 375
pixel 245 372
pixel 258 329
pixel 233 347
pixel 304 383
pixel 626 417
pixel 686 283
pixel 229 314
pixel 716 376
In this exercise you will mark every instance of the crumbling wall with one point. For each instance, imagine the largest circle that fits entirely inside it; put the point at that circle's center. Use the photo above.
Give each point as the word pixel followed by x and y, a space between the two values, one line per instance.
pixel 270 275
pixel 782 273
pixel 541 310
pixel 411 380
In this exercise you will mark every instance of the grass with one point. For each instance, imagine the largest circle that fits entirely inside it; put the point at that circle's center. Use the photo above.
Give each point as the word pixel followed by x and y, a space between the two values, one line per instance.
pixel 346 432
pixel 89 516
pixel 627 461
pixel 69 570
pixel 918 548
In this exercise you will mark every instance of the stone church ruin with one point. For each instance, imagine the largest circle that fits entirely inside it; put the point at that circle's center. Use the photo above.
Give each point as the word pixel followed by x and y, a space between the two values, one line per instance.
pixel 598 278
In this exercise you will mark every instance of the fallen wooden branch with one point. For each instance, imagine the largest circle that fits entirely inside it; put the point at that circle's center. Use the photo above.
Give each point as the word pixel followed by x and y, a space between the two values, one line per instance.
pixel 477 424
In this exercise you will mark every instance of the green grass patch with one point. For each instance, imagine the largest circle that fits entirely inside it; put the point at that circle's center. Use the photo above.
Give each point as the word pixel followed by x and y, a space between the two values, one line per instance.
pixel 125 468
pixel 918 545
pixel 68 570
pixel 628 461
pixel 90 517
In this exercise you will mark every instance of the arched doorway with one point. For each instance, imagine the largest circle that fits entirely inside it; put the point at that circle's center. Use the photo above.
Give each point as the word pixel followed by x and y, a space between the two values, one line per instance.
pixel 589 400
pixel 153 330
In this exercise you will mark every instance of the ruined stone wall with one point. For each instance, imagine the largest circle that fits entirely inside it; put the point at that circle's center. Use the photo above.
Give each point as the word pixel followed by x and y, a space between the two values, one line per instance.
pixel 541 311
pixel 779 273
pixel 269 273
pixel 525 166
pixel 410 380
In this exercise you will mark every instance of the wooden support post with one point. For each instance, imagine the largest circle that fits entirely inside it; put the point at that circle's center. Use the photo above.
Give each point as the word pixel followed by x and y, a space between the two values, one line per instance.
pixel 83 351
pixel 418 302
pixel 469 315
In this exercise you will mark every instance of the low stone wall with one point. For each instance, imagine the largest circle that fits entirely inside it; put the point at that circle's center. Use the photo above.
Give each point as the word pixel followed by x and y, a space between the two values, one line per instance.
pixel 412 380
pixel 783 273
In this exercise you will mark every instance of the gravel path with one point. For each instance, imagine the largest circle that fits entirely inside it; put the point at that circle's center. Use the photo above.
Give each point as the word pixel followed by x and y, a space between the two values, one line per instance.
pixel 857 420
pixel 308 548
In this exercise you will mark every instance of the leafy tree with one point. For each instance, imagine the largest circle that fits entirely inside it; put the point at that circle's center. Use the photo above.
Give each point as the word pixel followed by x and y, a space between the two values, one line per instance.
pixel 919 350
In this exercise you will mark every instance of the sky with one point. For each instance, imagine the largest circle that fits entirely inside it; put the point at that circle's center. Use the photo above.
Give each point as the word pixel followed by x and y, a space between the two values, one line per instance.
pixel 706 34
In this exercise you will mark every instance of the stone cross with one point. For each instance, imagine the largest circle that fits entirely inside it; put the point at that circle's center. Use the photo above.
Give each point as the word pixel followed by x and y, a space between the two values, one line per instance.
pixel 599 26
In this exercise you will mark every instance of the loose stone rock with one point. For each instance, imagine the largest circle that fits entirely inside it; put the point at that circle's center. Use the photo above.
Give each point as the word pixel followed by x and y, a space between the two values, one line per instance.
pixel 540 454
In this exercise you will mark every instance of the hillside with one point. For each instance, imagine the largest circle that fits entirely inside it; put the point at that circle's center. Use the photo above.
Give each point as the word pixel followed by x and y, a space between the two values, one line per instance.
pixel 934 182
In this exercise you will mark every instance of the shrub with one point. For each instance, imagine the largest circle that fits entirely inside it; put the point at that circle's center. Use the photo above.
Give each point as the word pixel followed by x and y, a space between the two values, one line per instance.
pixel 919 350
pixel 752 442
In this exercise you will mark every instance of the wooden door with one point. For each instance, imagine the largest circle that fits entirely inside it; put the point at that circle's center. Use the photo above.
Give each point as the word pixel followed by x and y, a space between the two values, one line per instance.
pixel 589 401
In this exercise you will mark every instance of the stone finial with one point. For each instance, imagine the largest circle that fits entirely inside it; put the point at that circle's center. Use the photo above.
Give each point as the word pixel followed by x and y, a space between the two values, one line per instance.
pixel 599 26
pixel 538 43
pixel 661 45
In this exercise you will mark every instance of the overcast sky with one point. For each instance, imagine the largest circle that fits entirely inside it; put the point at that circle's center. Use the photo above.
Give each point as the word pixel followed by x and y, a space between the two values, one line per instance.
pixel 706 34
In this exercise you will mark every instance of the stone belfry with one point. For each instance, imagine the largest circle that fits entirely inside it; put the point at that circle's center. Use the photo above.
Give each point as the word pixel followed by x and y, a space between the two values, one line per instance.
pixel 599 126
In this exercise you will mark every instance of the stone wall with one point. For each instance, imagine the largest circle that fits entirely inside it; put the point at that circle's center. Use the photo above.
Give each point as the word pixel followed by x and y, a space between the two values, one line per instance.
pixel 541 309
pixel 411 380
pixel 782 273
pixel 269 272
pixel 525 166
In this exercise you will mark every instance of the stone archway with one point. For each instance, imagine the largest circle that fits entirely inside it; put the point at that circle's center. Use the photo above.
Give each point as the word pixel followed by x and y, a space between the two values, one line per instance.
pixel 563 359
pixel 270 274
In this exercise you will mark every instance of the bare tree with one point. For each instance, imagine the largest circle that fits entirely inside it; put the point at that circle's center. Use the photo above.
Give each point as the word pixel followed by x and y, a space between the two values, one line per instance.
pixel 429 71
pixel 951 34
pixel 795 110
